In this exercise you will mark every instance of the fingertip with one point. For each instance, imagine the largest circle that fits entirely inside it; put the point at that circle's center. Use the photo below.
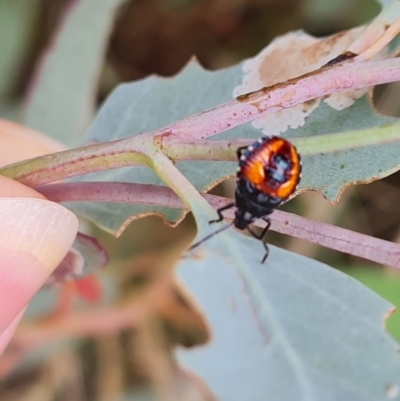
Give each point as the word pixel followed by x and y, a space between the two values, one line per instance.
pixel 35 236
pixel 42 228
pixel 6 335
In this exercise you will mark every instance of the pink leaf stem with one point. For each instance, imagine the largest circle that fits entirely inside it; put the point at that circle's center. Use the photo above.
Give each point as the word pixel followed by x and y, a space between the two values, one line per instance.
pixel 119 192
pixel 133 150
pixel 316 84
pixel 340 239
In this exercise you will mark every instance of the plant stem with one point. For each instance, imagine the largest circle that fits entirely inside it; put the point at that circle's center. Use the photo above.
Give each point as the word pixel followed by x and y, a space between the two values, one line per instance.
pixel 133 151
pixel 340 239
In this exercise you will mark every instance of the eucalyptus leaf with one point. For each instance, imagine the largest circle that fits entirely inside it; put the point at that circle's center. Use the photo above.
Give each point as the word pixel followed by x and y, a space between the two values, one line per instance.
pixel 155 102
pixel 291 329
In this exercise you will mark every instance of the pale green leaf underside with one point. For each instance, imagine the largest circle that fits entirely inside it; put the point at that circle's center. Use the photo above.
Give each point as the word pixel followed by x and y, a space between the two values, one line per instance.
pixel 156 102
pixel 330 173
pixel 145 106
pixel 291 329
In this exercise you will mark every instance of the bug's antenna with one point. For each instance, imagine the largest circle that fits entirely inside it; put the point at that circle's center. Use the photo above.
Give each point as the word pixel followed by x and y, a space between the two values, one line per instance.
pixel 212 235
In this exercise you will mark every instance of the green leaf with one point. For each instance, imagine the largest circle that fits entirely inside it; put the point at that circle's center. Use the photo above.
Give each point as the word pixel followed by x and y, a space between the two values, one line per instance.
pixel 291 329
pixel 386 284
pixel 330 173
pixel 156 102
pixel 17 23
pixel 61 103
pixel 145 106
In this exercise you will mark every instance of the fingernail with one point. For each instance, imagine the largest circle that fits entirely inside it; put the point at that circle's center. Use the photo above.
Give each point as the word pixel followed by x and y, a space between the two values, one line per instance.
pixel 35 235
pixel 37 226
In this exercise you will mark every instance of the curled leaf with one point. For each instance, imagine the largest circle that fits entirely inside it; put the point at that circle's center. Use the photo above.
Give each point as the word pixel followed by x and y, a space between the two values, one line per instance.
pixel 85 257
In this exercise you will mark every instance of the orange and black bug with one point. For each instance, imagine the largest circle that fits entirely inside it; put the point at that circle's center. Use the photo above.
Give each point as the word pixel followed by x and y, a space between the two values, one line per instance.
pixel 269 172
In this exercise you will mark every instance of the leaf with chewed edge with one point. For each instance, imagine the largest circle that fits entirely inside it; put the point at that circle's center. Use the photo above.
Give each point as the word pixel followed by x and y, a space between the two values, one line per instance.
pixel 145 106
pixel 291 329
pixel 86 256
pixel 155 102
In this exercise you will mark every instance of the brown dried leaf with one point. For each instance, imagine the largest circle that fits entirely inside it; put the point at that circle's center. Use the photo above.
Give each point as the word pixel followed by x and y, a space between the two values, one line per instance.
pixel 280 61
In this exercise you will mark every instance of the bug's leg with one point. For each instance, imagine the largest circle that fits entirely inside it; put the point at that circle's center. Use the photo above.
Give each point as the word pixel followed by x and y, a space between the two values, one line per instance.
pixel 240 150
pixel 220 210
pixel 211 235
pixel 266 228
pixel 261 236
pixel 220 218
pixel 266 252
pixel 263 232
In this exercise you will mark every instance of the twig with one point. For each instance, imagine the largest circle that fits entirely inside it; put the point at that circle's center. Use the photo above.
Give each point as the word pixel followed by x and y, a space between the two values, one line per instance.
pixel 136 150
pixel 340 239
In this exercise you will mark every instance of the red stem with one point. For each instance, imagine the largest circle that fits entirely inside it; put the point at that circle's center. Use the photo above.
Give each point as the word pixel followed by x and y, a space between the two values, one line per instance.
pixel 340 239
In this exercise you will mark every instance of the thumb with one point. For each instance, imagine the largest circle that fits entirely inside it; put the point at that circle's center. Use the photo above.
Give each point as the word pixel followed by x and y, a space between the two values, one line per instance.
pixel 35 235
